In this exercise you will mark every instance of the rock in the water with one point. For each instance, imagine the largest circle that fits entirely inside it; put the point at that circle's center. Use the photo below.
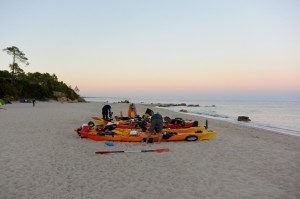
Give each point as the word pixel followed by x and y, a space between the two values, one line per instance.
pixel 244 119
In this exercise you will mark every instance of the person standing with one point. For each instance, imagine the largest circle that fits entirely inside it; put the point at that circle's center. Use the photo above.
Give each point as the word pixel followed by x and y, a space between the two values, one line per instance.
pixel 156 123
pixel 33 102
pixel 106 112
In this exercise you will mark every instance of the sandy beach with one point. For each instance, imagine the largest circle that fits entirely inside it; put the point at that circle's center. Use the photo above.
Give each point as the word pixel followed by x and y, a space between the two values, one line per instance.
pixel 43 158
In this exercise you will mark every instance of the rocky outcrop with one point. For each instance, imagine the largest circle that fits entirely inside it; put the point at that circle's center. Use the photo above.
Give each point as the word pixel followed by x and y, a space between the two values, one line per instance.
pixel 243 119
pixel 65 99
pixel 183 110
pixel 61 97
pixel 58 94
pixel 193 105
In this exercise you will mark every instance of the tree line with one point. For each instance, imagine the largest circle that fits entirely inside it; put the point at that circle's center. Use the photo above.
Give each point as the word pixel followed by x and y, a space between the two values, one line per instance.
pixel 16 84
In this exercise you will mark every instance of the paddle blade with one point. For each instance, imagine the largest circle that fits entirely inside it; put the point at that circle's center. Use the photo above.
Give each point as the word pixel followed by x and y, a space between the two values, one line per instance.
pixel 103 152
pixel 157 150
pixel 161 150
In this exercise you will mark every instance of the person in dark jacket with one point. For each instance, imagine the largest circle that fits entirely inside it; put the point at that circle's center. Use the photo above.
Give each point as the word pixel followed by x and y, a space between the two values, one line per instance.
pixel 156 123
pixel 106 112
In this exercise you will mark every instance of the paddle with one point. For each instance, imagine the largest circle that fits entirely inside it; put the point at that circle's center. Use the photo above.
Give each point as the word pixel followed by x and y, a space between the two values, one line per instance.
pixel 137 151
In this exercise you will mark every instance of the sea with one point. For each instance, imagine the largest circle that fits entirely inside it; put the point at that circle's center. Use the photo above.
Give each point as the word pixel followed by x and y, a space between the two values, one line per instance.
pixel 277 116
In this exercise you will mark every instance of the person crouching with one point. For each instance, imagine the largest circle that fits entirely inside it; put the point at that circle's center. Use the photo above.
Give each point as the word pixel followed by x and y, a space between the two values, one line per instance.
pixel 156 123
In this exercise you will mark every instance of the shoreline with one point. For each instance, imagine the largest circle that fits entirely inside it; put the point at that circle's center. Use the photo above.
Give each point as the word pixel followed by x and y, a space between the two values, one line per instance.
pixel 217 120
pixel 42 157
pixel 279 124
pixel 245 124
pixel 156 106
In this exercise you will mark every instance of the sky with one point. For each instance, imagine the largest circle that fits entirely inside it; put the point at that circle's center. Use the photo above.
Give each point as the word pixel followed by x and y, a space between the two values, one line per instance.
pixel 185 49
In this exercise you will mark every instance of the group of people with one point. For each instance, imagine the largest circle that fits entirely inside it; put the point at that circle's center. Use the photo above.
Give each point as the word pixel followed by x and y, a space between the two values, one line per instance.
pixel 156 119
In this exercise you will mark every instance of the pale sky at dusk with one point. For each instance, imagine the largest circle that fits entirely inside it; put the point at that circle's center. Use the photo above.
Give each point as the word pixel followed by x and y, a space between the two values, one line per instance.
pixel 159 48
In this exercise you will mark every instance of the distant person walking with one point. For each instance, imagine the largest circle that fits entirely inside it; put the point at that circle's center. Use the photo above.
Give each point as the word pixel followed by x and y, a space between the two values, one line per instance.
pixel 156 123
pixel 33 102
pixel 106 112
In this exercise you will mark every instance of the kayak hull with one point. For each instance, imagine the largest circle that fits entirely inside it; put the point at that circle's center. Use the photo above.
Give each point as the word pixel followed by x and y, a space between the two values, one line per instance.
pixel 207 135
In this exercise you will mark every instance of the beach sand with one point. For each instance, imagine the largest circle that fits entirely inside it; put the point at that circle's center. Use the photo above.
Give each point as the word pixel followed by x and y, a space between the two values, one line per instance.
pixel 43 158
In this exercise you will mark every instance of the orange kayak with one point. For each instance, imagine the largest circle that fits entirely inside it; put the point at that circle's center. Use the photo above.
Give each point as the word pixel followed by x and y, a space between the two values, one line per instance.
pixel 198 129
pixel 140 136
pixel 131 124
pixel 122 131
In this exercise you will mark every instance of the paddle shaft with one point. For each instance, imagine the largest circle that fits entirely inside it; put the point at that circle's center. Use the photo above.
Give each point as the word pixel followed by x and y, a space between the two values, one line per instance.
pixel 137 151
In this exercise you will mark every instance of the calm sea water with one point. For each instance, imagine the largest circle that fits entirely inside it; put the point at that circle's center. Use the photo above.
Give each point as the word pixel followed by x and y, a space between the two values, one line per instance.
pixel 279 116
